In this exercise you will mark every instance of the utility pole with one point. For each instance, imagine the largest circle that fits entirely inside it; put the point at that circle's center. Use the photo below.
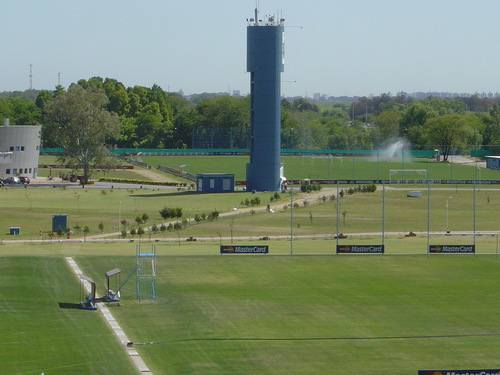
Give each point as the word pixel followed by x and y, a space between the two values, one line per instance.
pixel 31 77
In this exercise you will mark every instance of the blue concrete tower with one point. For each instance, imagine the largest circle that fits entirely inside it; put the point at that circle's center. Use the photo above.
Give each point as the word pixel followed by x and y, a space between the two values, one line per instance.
pixel 265 62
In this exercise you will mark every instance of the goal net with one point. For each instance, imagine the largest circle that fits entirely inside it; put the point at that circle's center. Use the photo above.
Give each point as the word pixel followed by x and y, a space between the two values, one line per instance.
pixel 407 174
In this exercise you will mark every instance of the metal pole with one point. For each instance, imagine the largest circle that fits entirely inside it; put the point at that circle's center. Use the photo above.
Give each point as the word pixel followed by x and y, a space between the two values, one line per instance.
pixel 378 164
pixel 447 213
pixel 353 166
pixel 474 214
pixel 402 163
pixel 329 167
pixel 497 244
pixel 291 217
pixel 383 212
pixel 428 214
pixel 119 219
pixel 337 223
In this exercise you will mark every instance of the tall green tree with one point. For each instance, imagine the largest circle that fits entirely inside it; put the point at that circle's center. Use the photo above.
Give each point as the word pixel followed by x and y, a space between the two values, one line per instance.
pixel 19 111
pixel 387 125
pixel 84 124
pixel 452 131
pixel 223 112
pixel 491 135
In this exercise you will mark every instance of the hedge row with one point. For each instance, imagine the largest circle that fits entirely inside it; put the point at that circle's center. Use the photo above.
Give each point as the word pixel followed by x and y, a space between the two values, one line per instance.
pixel 141 182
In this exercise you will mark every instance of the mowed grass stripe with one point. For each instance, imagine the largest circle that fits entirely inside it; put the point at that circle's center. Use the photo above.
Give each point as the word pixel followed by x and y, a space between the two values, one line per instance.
pixel 42 329
pixel 440 309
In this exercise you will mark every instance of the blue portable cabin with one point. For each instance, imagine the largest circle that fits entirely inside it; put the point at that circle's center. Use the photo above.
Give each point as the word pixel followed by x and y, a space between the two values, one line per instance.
pixel 493 162
pixel 214 182
pixel 59 222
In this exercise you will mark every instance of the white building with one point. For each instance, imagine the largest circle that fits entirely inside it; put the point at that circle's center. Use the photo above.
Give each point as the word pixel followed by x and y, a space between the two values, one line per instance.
pixel 19 150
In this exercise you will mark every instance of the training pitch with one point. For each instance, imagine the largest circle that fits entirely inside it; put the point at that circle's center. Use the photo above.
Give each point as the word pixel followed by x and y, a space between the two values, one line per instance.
pixel 257 314
pixel 301 309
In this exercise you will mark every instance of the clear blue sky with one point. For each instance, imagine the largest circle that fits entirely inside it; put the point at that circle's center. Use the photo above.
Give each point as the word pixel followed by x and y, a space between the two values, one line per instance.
pixel 342 47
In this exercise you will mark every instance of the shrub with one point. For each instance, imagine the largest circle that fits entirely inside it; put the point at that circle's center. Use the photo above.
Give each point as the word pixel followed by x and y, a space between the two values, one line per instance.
pixel 213 215
pixel 275 197
pixel 255 201
pixel 140 231
pixel 167 212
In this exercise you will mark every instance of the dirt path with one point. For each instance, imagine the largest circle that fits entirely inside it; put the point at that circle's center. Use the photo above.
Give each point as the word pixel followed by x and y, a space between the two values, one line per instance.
pixel 154 175
pixel 466 160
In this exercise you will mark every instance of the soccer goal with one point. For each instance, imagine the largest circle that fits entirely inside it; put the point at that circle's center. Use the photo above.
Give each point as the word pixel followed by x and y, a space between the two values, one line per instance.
pixel 406 173
pixel 459 243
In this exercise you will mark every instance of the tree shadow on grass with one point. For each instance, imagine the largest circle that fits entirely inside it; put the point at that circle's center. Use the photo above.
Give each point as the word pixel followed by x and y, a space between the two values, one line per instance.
pixel 179 193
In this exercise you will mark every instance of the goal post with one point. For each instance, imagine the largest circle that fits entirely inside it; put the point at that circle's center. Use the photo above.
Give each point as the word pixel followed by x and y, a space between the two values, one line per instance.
pixel 448 245
pixel 404 173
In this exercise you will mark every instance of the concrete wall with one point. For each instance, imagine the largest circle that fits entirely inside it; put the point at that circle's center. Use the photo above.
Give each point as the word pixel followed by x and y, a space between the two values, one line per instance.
pixel 22 142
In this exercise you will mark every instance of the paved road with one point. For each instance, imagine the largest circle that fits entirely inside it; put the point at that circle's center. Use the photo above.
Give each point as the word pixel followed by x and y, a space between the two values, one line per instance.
pixel 58 183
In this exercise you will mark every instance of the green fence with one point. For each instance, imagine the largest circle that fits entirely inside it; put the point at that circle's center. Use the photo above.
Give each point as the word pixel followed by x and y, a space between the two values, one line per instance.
pixel 223 151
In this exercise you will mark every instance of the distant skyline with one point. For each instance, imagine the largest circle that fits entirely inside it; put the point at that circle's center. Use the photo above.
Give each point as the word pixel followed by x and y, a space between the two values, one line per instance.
pixel 333 47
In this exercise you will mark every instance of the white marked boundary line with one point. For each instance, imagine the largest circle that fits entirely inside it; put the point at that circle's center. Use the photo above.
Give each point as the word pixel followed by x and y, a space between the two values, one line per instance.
pixel 131 351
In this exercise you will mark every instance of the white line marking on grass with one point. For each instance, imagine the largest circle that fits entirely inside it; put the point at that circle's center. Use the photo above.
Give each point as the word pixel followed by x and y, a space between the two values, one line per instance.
pixel 131 351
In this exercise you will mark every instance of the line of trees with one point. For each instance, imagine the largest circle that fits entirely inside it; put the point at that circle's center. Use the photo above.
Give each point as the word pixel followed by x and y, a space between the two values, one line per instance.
pixel 154 118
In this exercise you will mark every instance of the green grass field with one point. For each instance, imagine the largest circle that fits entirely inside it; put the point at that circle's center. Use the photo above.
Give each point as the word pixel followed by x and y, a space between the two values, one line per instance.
pixel 267 314
pixel 32 210
pixel 301 309
pixel 347 167
pixel 43 331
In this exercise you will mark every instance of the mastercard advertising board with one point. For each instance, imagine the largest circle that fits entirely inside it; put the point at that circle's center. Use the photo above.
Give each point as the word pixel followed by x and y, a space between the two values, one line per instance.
pixel 360 249
pixel 224 249
pixel 460 372
pixel 461 249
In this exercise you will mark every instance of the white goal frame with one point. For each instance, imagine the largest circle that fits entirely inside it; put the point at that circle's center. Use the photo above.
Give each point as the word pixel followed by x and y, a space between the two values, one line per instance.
pixel 394 171
pixel 473 234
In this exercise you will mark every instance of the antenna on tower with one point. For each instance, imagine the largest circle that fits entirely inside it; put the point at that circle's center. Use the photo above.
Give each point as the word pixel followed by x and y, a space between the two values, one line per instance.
pixel 31 77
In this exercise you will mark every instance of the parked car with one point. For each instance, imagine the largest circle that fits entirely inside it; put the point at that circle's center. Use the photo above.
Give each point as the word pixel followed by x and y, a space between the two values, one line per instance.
pixel 24 180
pixel 12 180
